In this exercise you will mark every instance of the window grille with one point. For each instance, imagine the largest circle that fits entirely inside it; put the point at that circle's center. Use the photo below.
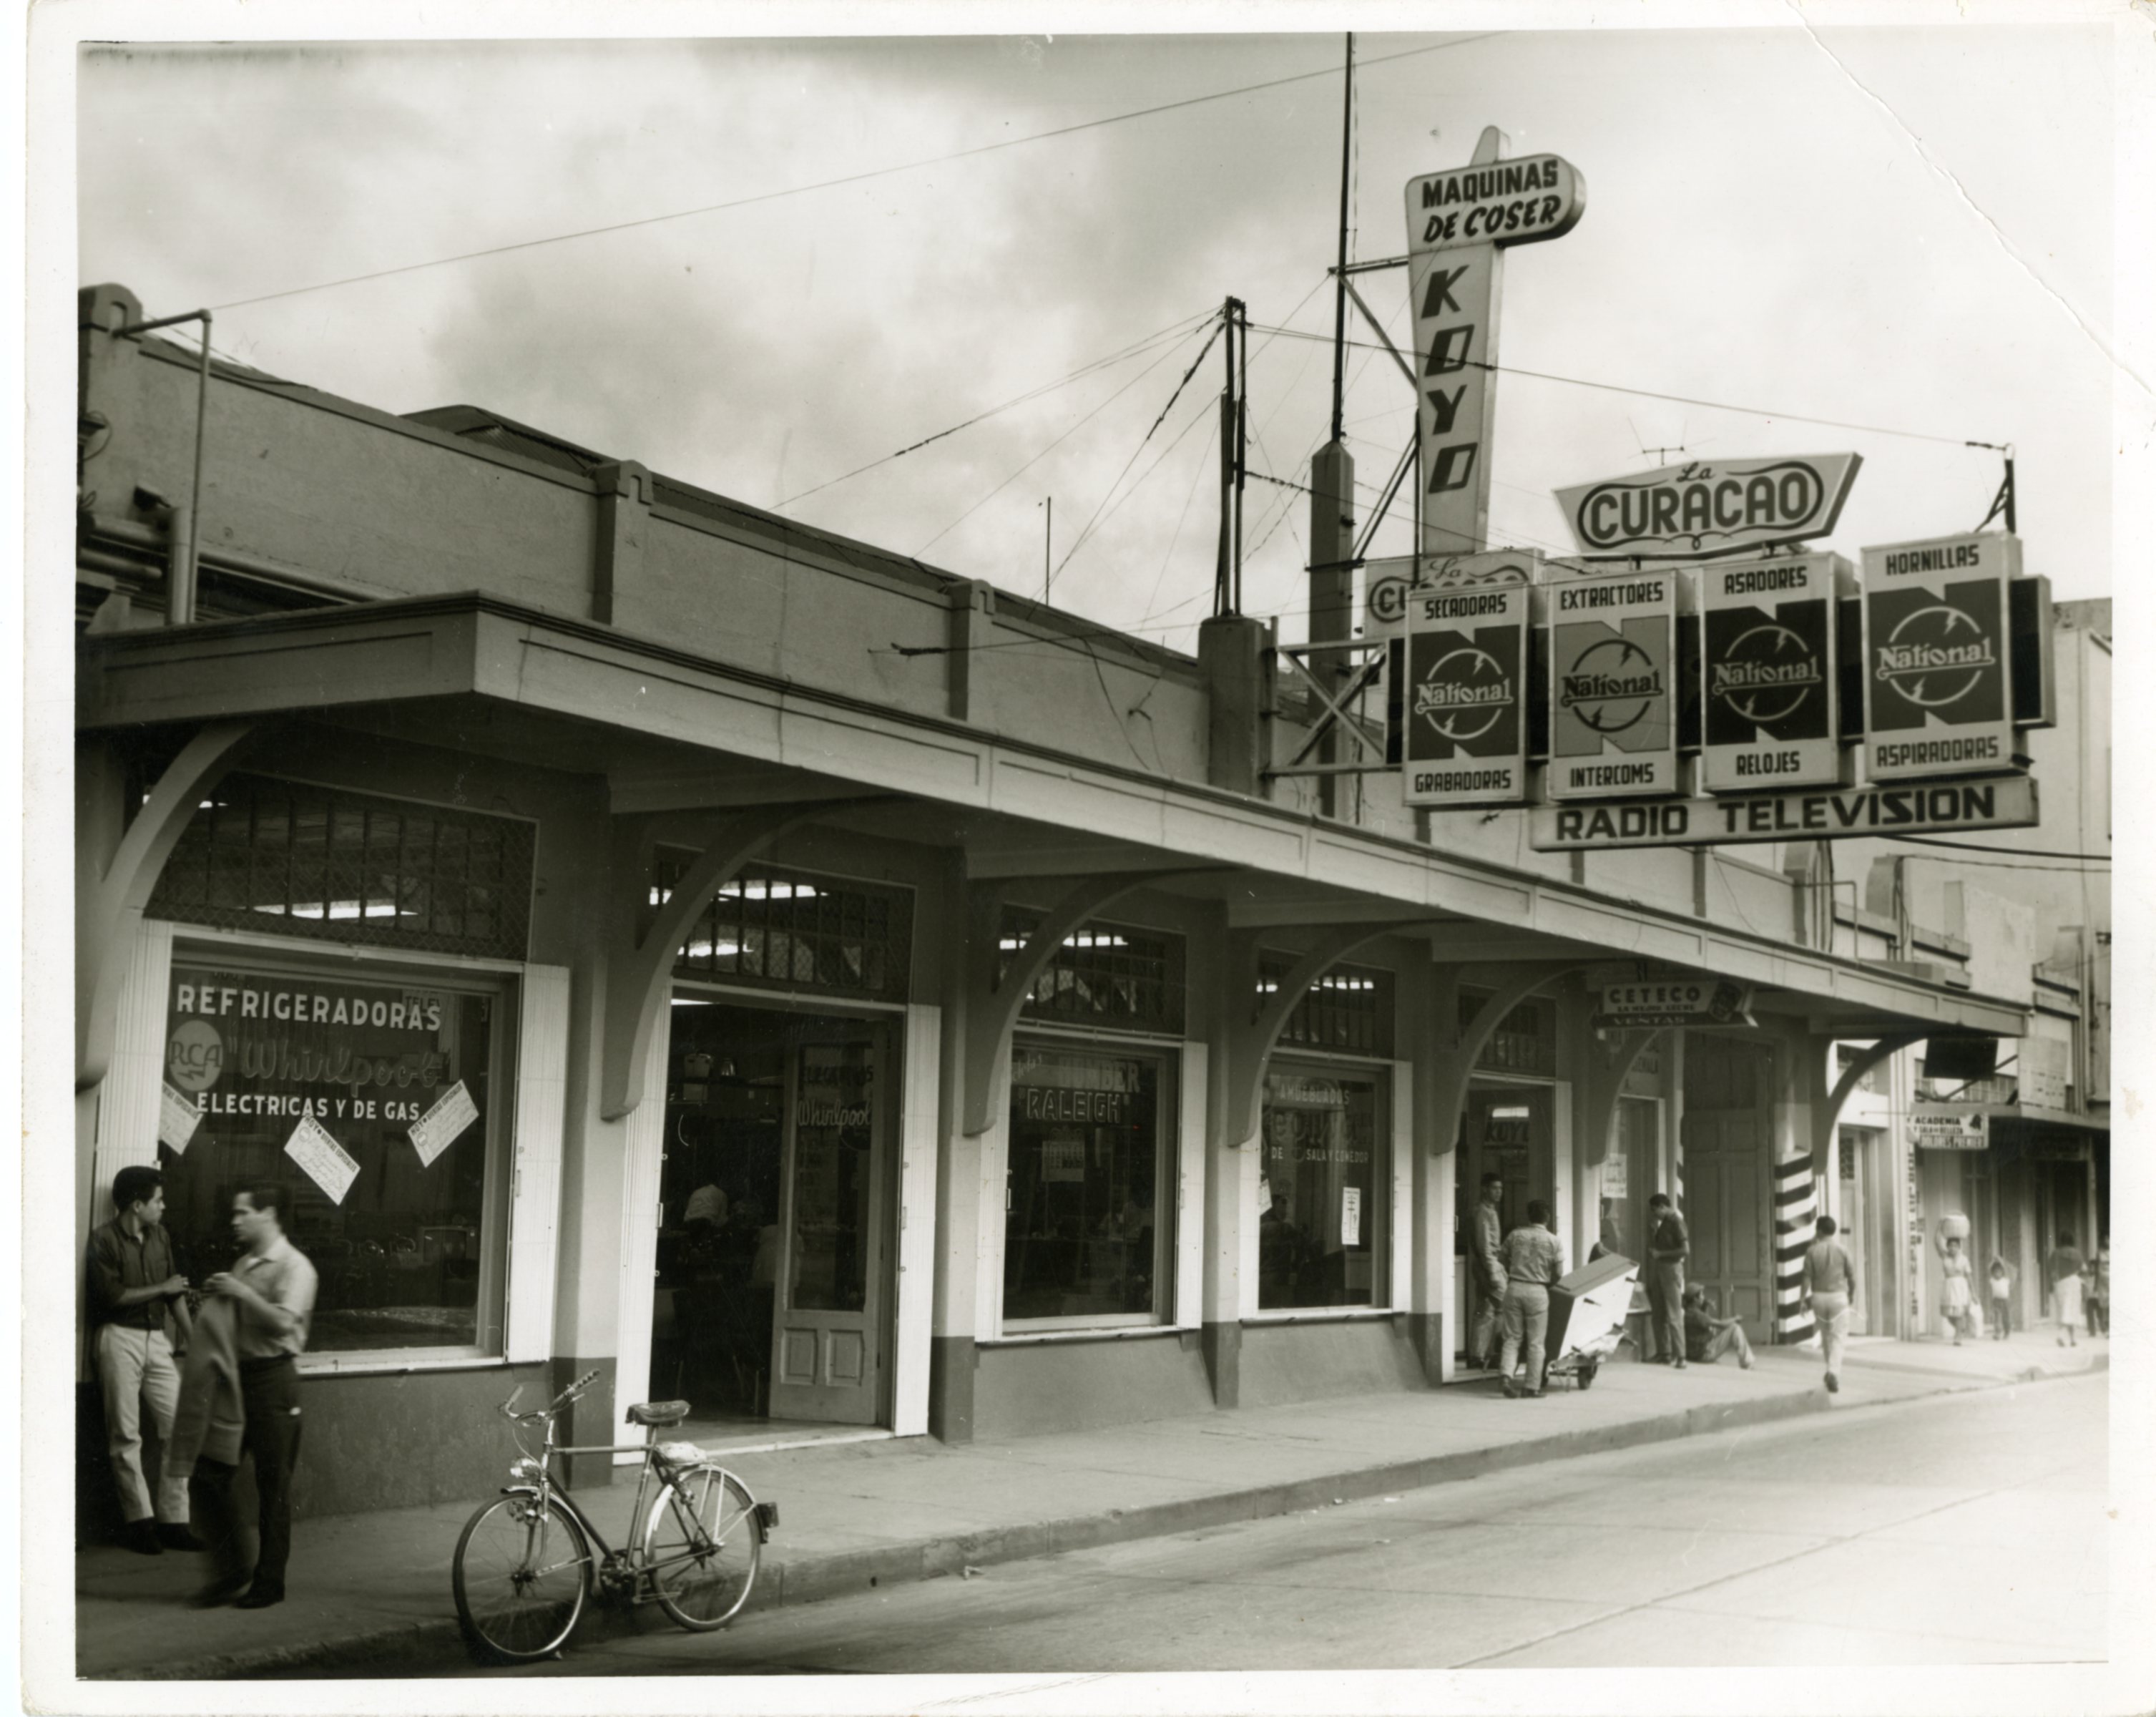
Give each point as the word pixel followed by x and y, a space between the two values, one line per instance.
pixel 1104 974
pixel 1350 1008
pixel 785 929
pixel 1525 1041
pixel 265 854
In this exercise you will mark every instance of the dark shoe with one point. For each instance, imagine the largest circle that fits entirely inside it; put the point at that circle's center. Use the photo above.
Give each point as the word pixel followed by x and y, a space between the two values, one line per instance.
pixel 178 1535
pixel 1512 1390
pixel 1833 1383
pixel 260 1597
pixel 212 1598
pixel 1534 1395
pixel 141 1537
pixel 1676 1365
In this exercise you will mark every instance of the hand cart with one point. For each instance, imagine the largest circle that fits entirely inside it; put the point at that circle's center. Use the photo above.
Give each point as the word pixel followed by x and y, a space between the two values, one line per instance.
pixel 1587 1315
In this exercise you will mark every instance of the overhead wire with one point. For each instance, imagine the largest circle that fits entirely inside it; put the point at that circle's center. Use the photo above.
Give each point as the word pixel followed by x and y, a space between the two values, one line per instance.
pixel 844 179
pixel 1793 417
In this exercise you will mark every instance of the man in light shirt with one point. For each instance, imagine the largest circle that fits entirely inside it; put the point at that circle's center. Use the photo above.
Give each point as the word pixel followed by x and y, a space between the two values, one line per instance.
pixel 1486 1245
pixel 1534 1261
pixel 1829 1284
pixel 271 1290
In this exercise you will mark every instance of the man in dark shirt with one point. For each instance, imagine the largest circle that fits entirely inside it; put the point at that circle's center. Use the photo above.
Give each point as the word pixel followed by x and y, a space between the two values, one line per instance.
pixel 132 1286
pixel 1668 1246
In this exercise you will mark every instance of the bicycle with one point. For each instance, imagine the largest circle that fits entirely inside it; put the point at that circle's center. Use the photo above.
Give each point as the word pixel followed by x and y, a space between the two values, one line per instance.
pixel 527 1561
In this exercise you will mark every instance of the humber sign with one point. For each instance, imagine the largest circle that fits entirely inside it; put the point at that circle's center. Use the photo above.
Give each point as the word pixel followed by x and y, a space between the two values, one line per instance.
pixel 1710 507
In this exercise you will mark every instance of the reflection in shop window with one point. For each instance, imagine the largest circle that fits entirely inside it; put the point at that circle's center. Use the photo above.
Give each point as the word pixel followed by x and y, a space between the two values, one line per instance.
pixel 1323 1206
pixel 373 1100
pixel 1084 1233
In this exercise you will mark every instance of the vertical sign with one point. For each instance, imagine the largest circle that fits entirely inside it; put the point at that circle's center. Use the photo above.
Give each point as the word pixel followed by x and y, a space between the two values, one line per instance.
pixel 1766 673
pixel 1466 738
pixel 1613 690
pixel 1936 668
pixel 1459 224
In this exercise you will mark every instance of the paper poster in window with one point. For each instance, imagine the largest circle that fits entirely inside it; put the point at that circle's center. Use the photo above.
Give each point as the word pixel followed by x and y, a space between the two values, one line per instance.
pixel 1351 1216
pixel 176 1119
pixel 445 1119
pixel 328 1163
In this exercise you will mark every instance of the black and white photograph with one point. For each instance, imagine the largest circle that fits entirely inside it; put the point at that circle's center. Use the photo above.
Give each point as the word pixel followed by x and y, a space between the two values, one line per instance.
pixel 893 890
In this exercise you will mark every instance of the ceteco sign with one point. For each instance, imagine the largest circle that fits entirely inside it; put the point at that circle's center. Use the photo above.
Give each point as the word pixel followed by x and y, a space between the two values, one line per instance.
pixel 1935 685
pixel 1766 673
pixel 1496 202
pixel 1682 1001
pixel 2008 803
pixel 1387 584
pixel 1613 691
pixel 1466 740
pixel 1686 512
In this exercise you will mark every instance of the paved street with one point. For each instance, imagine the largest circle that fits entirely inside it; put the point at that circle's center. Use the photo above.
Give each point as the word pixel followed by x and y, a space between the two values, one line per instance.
pixel 1967 1528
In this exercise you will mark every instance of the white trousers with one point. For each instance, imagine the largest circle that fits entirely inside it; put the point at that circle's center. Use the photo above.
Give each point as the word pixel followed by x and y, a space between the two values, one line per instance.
pixel 135 1367
pixel 1831 1312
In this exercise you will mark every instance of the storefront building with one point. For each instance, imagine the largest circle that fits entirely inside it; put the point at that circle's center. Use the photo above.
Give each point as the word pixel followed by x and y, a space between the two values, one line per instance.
pixel 655 936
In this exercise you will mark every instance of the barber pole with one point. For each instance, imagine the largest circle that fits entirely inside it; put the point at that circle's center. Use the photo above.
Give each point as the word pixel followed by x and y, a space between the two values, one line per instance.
pixel 1796 1210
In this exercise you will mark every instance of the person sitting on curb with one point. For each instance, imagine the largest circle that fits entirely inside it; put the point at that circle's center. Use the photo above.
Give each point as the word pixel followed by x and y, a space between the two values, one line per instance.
pixel 1708 1338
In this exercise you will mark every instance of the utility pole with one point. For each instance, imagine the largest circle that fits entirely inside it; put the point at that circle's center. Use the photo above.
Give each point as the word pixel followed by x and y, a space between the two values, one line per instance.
pixel 1048 553
pixel 1228 571
pixel 1332 489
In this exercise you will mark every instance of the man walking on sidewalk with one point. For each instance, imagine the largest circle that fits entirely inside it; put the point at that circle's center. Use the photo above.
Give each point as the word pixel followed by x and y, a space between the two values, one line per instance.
pixel 1668 1245
pixel 133 1287
pixel 1534 1261
pixel 1829 1284
pixel 1488 1242
pixel 272 1289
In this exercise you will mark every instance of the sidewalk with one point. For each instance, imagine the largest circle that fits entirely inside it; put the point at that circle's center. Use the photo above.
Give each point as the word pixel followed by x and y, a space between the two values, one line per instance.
pixel 375 1588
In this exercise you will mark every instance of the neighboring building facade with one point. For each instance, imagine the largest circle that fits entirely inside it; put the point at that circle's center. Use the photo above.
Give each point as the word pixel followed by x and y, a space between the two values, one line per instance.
pixel 659 937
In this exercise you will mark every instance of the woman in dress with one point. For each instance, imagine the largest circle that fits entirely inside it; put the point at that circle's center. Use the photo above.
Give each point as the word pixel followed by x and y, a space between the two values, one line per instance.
pixel 1954 1267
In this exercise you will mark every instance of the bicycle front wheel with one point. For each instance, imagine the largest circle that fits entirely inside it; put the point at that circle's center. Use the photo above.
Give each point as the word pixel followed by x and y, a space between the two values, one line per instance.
pixel 520 1575
pixel 701 1545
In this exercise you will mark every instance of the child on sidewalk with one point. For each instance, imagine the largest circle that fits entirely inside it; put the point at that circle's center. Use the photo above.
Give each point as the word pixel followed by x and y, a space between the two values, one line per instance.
pixel 2002 1298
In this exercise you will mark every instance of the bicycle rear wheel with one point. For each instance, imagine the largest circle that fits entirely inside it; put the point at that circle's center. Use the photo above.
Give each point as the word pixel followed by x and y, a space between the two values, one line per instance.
pixel 701 1545
pixel 520 1575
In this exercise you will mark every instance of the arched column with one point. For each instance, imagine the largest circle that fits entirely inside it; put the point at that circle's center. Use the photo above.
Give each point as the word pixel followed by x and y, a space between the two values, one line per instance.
pixel 110 901
pixel 639 969
pixel 1452 1073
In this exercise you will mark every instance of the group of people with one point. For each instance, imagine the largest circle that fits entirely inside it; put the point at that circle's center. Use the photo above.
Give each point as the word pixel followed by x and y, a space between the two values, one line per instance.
pixel 216 1369
pixel 2079 1289
pixel 1514 1273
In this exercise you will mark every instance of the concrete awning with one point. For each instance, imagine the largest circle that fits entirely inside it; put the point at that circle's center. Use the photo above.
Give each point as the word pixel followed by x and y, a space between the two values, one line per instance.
pixel 572 694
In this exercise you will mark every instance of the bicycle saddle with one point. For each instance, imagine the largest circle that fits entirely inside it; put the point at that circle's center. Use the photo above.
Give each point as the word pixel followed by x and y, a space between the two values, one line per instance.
pixel 656 1413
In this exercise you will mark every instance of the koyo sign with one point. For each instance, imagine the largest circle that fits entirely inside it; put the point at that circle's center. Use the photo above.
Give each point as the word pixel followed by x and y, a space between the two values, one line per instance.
pixel 1937 685
pixel 1767 668
pixel 1613 693
pixel 1704 508
pixel 1465 739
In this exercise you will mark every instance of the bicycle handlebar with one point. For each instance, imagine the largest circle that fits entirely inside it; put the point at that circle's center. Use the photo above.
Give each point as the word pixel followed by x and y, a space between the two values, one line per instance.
pixel 509 1407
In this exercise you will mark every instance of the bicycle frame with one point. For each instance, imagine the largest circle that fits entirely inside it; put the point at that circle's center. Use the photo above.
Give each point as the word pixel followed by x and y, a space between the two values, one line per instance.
pixel 546 1486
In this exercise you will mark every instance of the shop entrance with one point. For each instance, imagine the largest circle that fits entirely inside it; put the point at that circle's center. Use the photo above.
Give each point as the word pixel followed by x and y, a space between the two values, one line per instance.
pixel 1727 1194
pixel 1509 1129
pixel 772 1298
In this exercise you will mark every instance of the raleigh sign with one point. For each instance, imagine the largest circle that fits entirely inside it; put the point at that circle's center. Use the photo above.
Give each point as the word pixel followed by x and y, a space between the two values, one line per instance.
pixel 1689 511
pixel 2007 803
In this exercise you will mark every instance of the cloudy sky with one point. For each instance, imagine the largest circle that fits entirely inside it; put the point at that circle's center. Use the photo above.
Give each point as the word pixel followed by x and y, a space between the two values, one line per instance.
pixel 1908 230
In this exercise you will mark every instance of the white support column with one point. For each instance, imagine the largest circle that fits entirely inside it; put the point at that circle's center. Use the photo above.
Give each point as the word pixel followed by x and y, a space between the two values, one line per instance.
pixel 1189 1278
pixel 643 1137
pixel 542 1055
pixel 1401 1249
pixel 913 1324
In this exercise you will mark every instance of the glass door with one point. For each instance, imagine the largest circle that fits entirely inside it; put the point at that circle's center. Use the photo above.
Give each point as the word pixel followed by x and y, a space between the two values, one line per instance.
pixel 827 1331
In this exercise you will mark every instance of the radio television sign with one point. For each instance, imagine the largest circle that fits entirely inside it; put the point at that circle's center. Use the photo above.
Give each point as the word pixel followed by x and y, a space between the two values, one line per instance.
pixel 1700 508
pixel 1766 674
pixel 1466 737
pixel 1937 673
pixel 1613 687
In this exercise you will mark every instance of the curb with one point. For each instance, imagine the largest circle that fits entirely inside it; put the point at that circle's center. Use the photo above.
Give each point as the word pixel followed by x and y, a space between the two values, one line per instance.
pixel 846 1573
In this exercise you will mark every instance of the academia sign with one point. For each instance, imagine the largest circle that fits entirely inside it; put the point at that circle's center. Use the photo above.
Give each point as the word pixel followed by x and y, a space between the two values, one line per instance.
pixel 1688 512
pixel 1466 740
pixel 1613 688
pixel 2008 803
pixel 1936 667
pixel 1766 673
pixel 1950 1129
